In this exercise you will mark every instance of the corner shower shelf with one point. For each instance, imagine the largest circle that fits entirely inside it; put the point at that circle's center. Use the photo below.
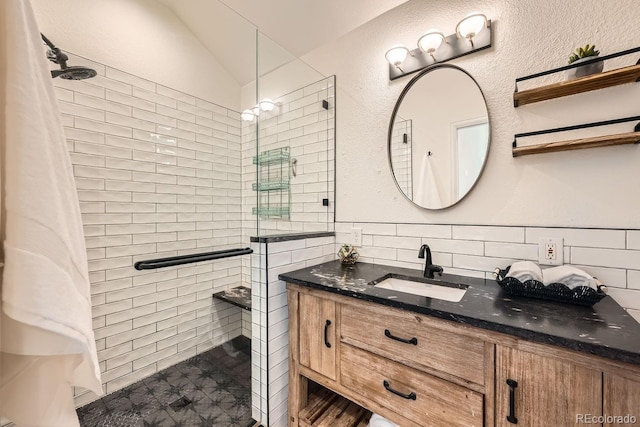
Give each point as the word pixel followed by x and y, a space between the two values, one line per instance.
pixel 270 185
pixel 274 191
pixel 588 83
pixel 280 211
pixel 277 155
pixel 577 144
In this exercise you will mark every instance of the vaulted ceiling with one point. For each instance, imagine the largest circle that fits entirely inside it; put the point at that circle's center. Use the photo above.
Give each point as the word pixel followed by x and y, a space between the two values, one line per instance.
pixel 289 28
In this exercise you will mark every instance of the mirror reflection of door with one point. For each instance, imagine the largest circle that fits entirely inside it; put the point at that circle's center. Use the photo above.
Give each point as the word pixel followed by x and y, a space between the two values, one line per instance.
pixel 467 154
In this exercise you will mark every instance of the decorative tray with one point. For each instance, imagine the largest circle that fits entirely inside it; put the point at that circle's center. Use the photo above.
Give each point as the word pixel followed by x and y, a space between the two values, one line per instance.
pixel 580 295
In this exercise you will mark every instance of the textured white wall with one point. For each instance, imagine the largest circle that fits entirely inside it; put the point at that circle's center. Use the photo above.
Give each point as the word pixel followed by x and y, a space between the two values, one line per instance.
pixel 586 188
pixel 141 37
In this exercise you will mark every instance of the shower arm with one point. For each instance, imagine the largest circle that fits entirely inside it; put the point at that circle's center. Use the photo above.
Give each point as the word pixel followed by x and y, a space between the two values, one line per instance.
pixel 47 41
pixel 58 57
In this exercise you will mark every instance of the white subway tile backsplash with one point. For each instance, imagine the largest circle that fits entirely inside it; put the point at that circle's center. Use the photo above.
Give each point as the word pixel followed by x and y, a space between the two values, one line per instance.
pixel 425 231
pixel 614 239
pixel 633 239
pixel 605 257
pixel 633 279
pixel 600 252
pixel 397 242
pixel 511 250
pixel 489 233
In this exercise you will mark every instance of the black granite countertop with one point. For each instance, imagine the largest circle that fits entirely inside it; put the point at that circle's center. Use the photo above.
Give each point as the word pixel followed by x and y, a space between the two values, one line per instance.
pixel 604 330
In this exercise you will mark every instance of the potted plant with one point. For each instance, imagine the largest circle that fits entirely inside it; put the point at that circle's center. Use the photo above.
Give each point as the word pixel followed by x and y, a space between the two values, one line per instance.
pixel 585 54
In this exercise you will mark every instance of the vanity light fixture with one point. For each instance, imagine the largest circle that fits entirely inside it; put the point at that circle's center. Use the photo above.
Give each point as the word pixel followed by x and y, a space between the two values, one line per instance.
pixel 473 33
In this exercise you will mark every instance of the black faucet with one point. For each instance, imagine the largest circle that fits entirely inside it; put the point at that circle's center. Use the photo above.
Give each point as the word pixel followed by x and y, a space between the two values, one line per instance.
pixel 429 268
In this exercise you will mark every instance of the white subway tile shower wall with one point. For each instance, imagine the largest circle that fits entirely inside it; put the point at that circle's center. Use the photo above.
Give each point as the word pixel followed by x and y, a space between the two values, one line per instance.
pixel 158 174
pixel 612 255
pixel 299 121
pixel 278 257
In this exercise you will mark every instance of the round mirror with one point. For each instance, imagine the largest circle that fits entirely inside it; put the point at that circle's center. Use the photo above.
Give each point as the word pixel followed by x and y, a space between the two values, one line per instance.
pixel 439 137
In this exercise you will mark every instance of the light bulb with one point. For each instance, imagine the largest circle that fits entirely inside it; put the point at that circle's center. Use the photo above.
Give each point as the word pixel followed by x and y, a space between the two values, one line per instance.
pixel 471 25
pixel 267 104
pixel 247 115
pixel 431 41
pixel 396 55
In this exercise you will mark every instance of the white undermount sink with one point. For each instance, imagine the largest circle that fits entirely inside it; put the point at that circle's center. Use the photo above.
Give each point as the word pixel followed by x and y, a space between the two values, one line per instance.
pixel 430 290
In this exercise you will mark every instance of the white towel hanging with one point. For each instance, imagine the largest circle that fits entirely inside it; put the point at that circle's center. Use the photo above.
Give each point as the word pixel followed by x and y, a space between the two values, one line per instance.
pixel 47 343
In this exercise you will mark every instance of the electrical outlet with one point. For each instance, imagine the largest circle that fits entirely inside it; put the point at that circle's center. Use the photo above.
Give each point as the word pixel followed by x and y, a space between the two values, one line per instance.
pixel 356 237
pixel 551 250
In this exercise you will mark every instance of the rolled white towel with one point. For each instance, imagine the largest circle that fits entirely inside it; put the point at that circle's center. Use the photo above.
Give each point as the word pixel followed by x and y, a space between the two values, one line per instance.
pixel 568 275
pixel 379 421
pixel 525 270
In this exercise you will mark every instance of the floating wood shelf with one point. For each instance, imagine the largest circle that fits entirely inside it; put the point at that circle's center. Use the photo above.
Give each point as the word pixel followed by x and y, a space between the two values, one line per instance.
pixel 583 84
pixel 578 144
pixel 328 409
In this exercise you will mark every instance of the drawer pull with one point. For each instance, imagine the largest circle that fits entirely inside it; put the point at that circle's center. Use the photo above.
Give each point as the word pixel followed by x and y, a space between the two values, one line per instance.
pixel 411 396
pixel 326 333
pixel 413 340
pixel 512 401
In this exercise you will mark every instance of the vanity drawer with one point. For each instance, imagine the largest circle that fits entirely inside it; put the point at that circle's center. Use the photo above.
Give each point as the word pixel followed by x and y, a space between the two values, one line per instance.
pixel 426 400
pixel 408 337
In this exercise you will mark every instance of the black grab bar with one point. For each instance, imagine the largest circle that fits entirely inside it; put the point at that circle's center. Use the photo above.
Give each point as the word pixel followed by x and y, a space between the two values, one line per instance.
pixel 152 264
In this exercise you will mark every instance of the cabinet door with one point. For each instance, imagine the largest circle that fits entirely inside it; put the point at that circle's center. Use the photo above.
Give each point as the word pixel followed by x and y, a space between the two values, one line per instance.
pixel 533 390
pixel 318 337
pixel 621 400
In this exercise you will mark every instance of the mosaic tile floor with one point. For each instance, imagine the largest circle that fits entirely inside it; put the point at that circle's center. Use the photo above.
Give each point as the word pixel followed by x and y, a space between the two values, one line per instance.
pixel 211 389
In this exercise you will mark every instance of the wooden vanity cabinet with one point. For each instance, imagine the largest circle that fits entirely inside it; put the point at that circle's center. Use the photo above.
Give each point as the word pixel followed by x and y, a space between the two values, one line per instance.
pixel 386 360
pixel 534 390
pixel 420 371
pixel 621 396
pixel 318 335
